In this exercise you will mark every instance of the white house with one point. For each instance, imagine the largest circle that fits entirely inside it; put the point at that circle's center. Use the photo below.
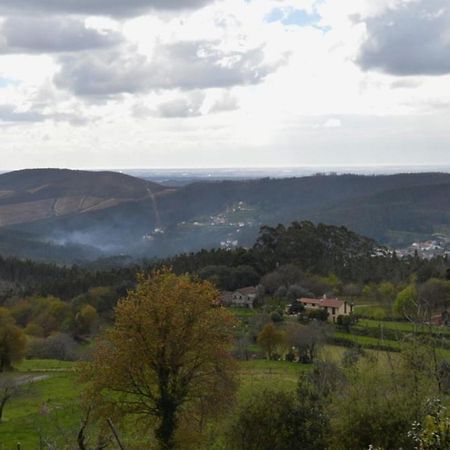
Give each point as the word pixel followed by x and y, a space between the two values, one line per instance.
pixel 332 306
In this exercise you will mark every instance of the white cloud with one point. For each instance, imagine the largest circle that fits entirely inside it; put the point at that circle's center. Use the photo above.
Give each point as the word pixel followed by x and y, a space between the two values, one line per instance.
pixel 332 123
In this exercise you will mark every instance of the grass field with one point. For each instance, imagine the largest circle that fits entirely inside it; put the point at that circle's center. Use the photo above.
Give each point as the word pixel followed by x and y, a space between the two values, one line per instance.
pixel 50 406
pixel 405 327
pixel 364 341
pixel 43 407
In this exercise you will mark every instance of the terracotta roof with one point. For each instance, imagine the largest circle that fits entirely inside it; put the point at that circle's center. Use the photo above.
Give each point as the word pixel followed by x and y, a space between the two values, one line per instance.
pixel 247 290
pixel 325 302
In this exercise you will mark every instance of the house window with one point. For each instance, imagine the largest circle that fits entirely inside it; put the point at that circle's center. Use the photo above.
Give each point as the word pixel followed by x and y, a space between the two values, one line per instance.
pixel 334 311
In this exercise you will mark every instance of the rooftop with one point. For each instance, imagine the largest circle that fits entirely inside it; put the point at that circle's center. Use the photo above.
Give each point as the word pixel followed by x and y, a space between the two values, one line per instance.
pixel 247 290
pixel 325 302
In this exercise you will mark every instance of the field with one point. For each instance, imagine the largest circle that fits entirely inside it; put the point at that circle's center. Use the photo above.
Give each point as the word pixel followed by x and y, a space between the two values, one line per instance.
pixel 42 407
pixel 405 327
pixel 50 405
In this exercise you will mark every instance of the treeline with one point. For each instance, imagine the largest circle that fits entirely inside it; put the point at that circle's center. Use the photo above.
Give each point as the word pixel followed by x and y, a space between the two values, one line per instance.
pixel 18 277
pixel 318 250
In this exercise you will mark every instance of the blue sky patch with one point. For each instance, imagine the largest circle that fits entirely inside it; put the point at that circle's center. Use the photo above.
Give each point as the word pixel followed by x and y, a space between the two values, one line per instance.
pixel 5 82
pixel 292 16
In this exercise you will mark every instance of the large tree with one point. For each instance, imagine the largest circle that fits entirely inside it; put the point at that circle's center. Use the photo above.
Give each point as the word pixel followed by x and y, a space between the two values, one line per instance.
pixel 167 359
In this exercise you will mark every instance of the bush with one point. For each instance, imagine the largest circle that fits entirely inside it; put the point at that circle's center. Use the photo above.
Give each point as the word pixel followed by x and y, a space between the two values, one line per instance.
pixel 296 308
pixel 276 317
pixel 345 322
pixel 318 314
pixel 290 356
pixel 57 346
pixel 351 356
pixel 277 420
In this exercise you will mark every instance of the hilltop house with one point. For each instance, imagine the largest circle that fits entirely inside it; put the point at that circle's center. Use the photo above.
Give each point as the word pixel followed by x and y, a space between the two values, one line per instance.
pixel 332 306
pixel 241 298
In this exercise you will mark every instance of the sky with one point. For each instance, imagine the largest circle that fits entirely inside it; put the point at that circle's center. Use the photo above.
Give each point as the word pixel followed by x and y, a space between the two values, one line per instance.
pixel 225 83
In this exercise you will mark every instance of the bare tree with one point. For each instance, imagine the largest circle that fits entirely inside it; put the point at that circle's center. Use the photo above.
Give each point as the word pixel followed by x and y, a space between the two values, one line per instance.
pixel 9 387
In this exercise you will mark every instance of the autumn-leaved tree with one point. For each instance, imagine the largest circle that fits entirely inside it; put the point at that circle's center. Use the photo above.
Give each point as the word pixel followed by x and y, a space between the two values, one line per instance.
pixel 167 359
pixel 12 341
pixel 270 339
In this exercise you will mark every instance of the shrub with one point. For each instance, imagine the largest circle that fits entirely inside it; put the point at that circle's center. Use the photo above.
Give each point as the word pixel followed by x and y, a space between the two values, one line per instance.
pixel 276 317
pixel 277 420
pixel 57 346
pixel 318 314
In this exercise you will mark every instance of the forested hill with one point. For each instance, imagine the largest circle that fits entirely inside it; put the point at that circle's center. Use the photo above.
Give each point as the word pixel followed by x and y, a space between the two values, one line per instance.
pixel 318 251
pixel 109 213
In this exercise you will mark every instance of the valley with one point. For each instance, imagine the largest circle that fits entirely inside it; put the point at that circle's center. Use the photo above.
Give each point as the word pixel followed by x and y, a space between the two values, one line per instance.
pixel 69 216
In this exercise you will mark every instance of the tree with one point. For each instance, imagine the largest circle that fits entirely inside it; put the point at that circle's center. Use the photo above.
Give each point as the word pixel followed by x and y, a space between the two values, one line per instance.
pixel 9 387
pixel 375 407
pixel 167 359
pixel 433 295
pixel 345 322
pixel 406 303
pixel 387 292
pixel 86 319
pixel 305 340
pixel 279 420
pixel 434 434
pixel 12 341
pixel 270 339
pixel 57 346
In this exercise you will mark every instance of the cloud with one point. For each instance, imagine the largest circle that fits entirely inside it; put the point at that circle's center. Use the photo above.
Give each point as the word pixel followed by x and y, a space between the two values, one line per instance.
pixel 119 8
pixel 412 38
pixel 186 65
pixel 182 107
pixel 226 103
pixel 9 113
pixel 332 123
pixel 55 34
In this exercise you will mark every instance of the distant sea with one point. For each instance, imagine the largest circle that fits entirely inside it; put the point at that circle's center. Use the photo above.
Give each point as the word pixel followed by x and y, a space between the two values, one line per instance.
pixel 184 176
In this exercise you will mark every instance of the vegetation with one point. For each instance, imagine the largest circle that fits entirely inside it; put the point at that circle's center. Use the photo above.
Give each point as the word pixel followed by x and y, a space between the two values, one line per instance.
pixel 170 368
pixel 12 342
pixel 166 360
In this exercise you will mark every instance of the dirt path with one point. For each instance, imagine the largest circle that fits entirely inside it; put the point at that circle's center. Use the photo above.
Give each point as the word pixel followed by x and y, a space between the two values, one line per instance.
pixel 28 379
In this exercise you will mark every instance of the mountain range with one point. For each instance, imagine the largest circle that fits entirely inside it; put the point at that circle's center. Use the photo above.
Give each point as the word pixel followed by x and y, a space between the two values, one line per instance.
pixel 65 215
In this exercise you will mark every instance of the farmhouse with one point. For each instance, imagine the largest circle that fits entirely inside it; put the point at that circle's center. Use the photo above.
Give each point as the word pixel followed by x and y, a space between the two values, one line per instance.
pixel 332 306
pixel 441 320
pixel 241 298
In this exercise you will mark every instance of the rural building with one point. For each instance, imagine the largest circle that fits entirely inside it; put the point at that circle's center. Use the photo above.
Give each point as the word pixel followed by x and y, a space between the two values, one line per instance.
pixel 441 320
pixel 332 306
pixel 241 298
